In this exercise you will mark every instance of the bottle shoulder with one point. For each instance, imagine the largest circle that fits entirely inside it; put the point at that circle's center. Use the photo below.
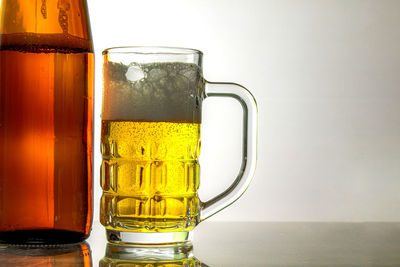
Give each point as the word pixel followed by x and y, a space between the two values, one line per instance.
pixel 67 18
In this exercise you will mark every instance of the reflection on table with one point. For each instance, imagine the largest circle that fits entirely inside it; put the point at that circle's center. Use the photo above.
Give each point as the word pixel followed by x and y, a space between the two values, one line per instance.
pixel 250 244
pixel 149 256
pixel 78 255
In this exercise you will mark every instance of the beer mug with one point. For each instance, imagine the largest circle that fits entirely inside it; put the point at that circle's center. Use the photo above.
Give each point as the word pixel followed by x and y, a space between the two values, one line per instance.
pixel 150 144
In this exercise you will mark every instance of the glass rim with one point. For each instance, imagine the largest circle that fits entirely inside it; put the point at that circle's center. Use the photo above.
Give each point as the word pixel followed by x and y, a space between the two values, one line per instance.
pixel 152 50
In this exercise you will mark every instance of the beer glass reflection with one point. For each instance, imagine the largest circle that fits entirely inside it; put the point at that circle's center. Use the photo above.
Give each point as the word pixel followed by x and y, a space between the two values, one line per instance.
pixel 150 144
pixel 139 256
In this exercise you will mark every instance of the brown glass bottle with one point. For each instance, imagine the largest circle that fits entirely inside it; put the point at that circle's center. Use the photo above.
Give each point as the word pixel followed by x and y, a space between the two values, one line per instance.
pixel 46 121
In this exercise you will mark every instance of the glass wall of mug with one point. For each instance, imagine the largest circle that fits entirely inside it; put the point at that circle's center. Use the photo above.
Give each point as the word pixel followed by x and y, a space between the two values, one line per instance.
pixel 150 144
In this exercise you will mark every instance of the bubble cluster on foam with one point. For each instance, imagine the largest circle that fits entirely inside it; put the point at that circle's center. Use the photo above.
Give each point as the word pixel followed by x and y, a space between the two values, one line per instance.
pixel 152 92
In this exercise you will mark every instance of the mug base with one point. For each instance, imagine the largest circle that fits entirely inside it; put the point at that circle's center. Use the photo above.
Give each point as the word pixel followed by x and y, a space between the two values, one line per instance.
pixel 138 238
pixel 149 253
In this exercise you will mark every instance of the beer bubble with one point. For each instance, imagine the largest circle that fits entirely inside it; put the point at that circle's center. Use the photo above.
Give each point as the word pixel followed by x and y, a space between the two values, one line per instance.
pixel 134 73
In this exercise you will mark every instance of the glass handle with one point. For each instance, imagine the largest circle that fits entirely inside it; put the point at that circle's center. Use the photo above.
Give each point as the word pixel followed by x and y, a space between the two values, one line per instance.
pixel 249 154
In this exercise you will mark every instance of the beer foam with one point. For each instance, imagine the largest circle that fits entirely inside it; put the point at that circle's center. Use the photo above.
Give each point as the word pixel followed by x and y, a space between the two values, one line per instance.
pixel 44 43
pixel 152 92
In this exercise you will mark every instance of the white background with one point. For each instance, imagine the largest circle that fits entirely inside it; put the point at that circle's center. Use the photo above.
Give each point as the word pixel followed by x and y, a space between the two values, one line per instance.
pixel 326 76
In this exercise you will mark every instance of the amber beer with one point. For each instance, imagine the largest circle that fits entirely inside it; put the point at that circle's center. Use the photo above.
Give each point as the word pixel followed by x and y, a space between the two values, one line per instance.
pixel 46 106
pixel 150 173
pixel 150 143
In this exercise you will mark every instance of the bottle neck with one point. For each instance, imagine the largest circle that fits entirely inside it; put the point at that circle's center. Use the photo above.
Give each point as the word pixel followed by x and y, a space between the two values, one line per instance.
pixel 67 17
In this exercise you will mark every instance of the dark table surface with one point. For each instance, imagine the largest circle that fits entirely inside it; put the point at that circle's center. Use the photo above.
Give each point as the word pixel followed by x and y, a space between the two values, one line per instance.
pixel 242 244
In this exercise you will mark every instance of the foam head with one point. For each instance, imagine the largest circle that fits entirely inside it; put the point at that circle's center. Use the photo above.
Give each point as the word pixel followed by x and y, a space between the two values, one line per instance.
pixel 152 92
